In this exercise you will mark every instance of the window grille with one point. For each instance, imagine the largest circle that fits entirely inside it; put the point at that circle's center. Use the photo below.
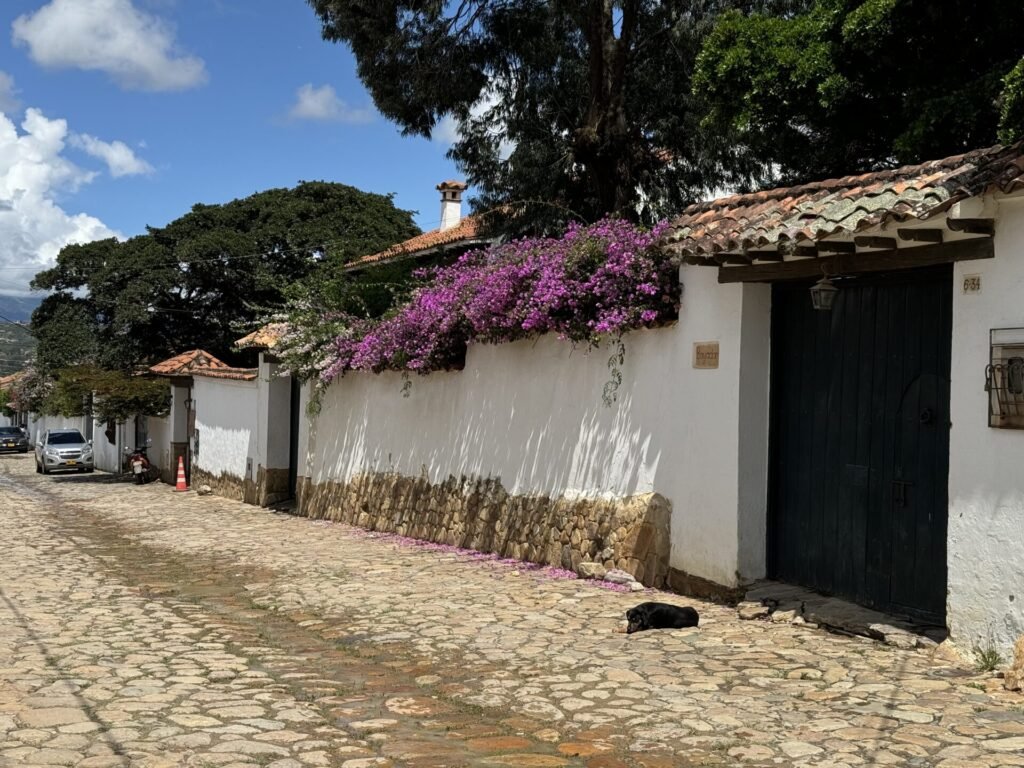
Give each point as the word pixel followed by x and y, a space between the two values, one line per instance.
pixel 1004 378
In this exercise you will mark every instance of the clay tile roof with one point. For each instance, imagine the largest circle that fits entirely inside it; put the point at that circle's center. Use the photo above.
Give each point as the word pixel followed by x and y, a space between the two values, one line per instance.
pixel 226 372
pixel 453 184
pixel 263 338
pixel 844 206
pixel 187 363
pixel 467 230
pixel 6 381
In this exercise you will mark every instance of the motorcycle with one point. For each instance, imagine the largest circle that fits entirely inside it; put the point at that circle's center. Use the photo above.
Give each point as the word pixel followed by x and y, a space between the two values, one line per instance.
pixel 137 464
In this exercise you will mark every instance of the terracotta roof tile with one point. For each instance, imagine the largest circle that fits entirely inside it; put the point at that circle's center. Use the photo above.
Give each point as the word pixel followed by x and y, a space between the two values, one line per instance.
pixel 187 363
pixel 844 206
pixel 238 374
pixel 263 338
pixel 467 230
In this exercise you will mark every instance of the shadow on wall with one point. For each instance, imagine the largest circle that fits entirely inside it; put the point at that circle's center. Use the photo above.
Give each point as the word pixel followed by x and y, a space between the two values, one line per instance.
pixel 529 413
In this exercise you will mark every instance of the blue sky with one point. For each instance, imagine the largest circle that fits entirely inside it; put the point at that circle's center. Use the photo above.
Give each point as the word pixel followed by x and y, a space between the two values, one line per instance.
pixel 188 101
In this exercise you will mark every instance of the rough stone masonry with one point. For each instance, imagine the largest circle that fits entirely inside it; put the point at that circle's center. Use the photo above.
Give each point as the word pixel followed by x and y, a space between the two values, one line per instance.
pixel 631 534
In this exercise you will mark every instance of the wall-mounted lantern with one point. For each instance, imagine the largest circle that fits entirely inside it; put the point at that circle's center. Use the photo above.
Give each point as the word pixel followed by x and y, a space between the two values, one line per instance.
pixel 823 294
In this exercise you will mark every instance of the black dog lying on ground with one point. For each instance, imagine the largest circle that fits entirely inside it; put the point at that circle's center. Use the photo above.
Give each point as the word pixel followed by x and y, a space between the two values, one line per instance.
pixel 660 616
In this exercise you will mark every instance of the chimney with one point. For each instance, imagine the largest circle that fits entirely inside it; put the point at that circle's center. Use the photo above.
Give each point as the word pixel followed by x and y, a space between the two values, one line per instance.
pixel 451 203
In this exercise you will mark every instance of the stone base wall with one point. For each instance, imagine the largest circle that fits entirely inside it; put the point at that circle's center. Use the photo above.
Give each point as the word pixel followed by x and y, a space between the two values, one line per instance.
pixel 228 486
pixel 271 486
pixel 630 533
pixel 694 586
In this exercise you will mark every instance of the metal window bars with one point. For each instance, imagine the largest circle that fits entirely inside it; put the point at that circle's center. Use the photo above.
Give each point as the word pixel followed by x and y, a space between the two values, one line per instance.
pixel 1004 378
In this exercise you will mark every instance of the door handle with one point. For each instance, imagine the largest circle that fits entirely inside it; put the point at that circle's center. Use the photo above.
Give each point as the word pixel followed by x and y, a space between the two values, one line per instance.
pixel 899 492
pixel 927 416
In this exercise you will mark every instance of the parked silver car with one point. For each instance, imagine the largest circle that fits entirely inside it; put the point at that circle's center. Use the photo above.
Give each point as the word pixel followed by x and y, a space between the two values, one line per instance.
pixel 63 449
pixel 13 439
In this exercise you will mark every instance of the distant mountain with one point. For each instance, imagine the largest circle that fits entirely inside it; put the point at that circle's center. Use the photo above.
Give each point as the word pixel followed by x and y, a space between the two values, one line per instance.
pixel 15 343
pixel 18 308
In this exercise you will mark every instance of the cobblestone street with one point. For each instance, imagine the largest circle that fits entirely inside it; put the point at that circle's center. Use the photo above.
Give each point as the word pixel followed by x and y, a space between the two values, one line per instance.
pixel 148 628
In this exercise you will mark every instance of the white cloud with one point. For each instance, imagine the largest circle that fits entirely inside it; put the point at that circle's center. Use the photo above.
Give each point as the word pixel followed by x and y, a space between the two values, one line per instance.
pixel 113 36
pixel 446 131
pixel 323 103
pixel 119 157
pixel 33 175
pixel 449 129
pixel 8 97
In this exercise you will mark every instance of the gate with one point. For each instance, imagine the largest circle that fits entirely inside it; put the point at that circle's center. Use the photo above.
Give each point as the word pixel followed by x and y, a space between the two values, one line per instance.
pixel 860 440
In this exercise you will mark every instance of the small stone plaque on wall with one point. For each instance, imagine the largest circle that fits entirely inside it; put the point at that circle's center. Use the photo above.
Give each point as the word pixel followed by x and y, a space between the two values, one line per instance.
pixel 705 354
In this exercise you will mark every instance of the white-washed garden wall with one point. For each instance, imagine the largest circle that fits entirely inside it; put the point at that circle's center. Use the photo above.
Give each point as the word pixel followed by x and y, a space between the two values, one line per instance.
pixel 986 486
pixel 226 423
pixel 531 415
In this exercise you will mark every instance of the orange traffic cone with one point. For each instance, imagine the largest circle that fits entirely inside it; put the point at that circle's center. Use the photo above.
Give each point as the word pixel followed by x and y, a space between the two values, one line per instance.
pixel 181 485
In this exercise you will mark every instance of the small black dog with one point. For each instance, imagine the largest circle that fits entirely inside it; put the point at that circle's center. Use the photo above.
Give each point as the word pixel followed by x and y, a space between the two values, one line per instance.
pixel 660 616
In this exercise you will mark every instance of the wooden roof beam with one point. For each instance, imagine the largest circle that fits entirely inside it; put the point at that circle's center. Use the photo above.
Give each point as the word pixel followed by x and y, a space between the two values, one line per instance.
pixel 920 235
pixel 870 241
pixel 972 226
pixel 837 246
pixel 873 261
pixel 733 258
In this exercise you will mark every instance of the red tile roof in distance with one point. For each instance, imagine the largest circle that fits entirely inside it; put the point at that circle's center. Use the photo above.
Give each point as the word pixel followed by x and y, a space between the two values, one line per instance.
pixel 238 374
pixel 263 338
pixel 187 363
pixel 842 207
pixel 467 229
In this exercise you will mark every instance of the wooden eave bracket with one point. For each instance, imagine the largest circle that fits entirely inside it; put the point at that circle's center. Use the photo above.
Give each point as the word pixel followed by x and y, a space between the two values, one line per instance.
pixel 972 226
pixel 930 235
pixel 868 261
pixel 873 241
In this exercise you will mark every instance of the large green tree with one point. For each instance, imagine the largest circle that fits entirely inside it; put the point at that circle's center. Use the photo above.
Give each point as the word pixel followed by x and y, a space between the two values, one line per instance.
pixel 864 84
pixel 564 108
pixel 202 280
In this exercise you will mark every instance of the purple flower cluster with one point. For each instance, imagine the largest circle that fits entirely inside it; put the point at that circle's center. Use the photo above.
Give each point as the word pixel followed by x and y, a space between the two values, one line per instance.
pixel 594 281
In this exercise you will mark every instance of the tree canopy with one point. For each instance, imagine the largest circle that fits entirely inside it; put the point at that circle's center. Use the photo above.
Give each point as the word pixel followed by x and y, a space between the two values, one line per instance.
pixel 205 278
pixel 571 109
pixel 107 395
pixel 854 85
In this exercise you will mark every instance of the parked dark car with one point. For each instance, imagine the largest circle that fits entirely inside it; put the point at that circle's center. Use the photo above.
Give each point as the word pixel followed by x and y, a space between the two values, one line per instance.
pixel 13 439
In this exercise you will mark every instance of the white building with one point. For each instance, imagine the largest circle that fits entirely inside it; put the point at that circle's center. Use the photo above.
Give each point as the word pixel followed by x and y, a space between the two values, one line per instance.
pixel 872 450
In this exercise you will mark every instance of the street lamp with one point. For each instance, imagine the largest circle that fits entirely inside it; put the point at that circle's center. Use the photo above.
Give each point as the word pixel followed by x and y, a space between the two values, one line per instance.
pixel 823 294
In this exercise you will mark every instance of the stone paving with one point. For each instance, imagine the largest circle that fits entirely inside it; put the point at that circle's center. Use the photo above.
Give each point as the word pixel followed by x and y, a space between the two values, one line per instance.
pixel 147 628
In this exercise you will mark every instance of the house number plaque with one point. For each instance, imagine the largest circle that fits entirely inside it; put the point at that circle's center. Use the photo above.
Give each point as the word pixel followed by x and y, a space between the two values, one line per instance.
pixel 705 354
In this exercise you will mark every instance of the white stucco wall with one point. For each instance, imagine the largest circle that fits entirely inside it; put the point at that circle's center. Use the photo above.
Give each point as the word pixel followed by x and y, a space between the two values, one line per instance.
pixel 274 396
pixel 531 414
pixel 226 416
pixel 38 424
pixel 107 455
pixel 158 431
pixel 986 468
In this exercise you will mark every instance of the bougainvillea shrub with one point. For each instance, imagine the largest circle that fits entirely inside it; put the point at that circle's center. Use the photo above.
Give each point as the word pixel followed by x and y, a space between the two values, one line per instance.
pixel 593 283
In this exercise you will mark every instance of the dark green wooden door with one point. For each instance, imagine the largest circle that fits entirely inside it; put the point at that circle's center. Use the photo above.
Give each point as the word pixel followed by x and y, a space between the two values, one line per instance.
pixel 860 441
